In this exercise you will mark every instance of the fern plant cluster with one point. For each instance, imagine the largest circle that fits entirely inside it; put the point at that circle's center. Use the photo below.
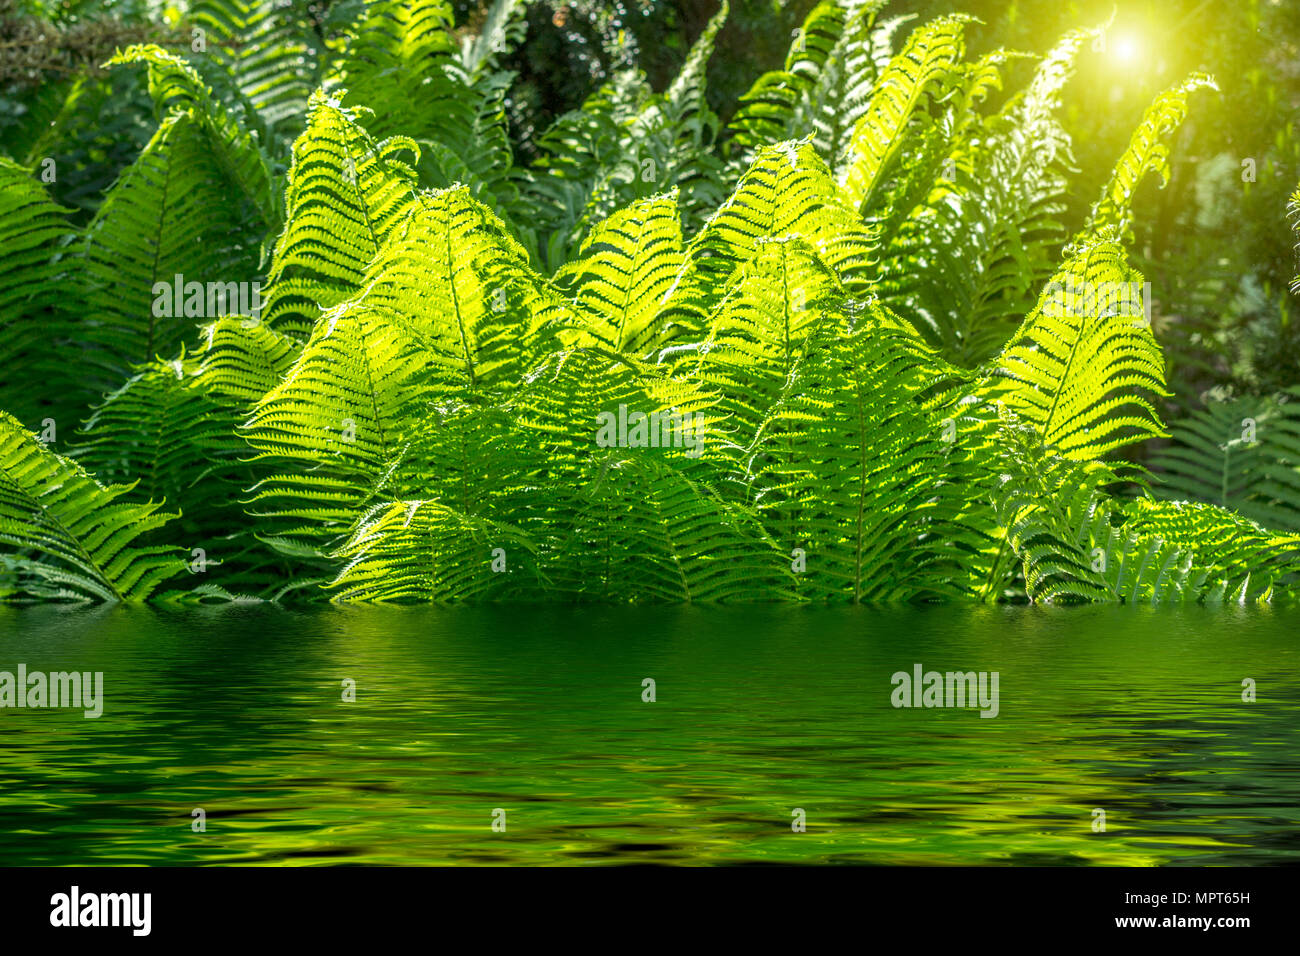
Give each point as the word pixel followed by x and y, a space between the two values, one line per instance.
pixel 832 336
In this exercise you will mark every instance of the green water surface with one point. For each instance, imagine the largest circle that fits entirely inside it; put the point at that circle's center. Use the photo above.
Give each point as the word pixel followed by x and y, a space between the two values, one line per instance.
pixel 759 712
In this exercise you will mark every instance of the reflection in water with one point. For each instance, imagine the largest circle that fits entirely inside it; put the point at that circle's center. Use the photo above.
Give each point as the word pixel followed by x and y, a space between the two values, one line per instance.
pixel 758 712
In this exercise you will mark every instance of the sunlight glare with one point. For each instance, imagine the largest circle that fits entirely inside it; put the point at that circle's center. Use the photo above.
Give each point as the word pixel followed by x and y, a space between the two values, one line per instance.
pixel 1126 48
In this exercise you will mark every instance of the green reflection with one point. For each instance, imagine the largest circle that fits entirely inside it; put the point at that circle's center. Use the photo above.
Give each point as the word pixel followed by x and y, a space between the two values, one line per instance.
pixel 539 711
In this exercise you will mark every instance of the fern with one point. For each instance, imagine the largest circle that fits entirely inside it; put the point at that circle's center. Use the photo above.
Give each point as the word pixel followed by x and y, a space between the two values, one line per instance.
pixel 170 214
pixel 455 280
pixel 854 470
pixel 1146 152
pixel 1078 545
pixel 345 194
pixel 625 144
pixel 1085 369
pixel 338 418
pixel 269 56
pixel 503 29
pixel 788 191
pixel 173 427
pixel 74 539
pixel 1238 560
pixel 176 87
pixel 925 67
pixel 965 264
pixel 421 550
pixel 402 63
pixel 759 332
pixel 629 268
pixel 637 523
pixel 444 298
pixel 824 87
pixel 830 358
pixel 33 234
pixel 1242 454
pixel 1293 207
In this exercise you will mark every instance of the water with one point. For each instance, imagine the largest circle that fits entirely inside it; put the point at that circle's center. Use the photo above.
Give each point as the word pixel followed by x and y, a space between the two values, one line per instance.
pixel 759 711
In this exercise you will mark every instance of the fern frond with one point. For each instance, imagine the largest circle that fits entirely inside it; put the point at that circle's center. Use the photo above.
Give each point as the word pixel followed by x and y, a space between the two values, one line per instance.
pixel 1085 368
pixel 335 422
pixel 577 152
pixel 455 280
pixel 73 538
pixel 1242 454
pixel 925 66
pixel 346 192
pixel 645 531
pixel 172 428
pixel 854 469
pixel 966 263
pixel 1065 532
pixel 268 53
pixel 448 305
pixel 408 551
pixel 1234 558
pixel 626 144
pixel 402 63
pixel 1078 544
pixel 395 62
pixel 1146 152
pixel 637 519
pixel 503 29
pixel 242 360
pixel 475 151
pixel 474 454
pixel 170 214
pixel 175 86
pixel 1293 208
pixel 759 332
pixel 166 436
pixel 672 140
pixel 33 233
pixel 824 87
pixel 787 192
pixel 629 268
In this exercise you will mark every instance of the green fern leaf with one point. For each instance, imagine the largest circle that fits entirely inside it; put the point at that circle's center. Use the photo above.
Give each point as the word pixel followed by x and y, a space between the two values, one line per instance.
pixel 1242 454
pixel 73 539
pixel 926 65
pixel 630 267
pixel 759 332
pixel 171 214
pixel 824 87
pixel 1084 369
pixel 33 233
pixel 345 195
pixel 175 86
pixel 269 54
pixel 424 551
pixel 852 468
pixel 1146 152
pixel 787 192
pixel 503 29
